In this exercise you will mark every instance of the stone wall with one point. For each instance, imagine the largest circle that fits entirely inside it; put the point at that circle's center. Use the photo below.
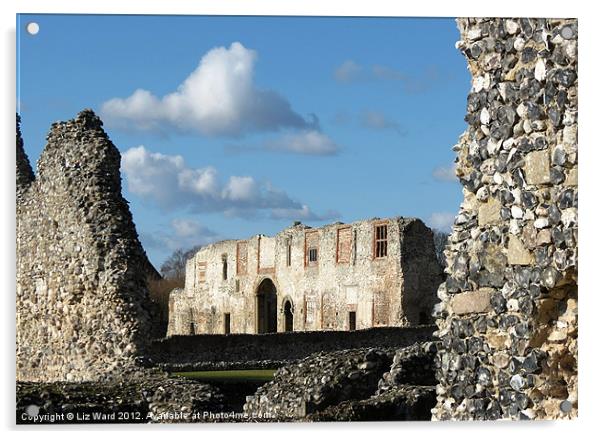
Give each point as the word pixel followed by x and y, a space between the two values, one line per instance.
pixel 82 301
pixel 149 397
pixel 198 351
pixel 224 281
pixel 508 317
pixel 318 382
pixel 351 385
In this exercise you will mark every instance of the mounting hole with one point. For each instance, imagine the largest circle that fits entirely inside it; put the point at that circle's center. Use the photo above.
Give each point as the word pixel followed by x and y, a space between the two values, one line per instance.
pixel 32 410
pixel 33 28
pixel 566 406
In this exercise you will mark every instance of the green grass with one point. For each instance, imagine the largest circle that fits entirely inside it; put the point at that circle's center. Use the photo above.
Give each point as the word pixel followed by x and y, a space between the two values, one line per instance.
pixel 230 375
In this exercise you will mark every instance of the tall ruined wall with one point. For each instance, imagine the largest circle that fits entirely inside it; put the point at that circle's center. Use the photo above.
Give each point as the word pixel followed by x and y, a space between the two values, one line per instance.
pixel 508 317
pixel 81 271
pixel 421 273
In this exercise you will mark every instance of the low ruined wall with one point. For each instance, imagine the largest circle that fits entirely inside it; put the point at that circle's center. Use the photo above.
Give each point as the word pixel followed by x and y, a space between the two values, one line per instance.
pixel 81 272
pixel 352 385
pixel 508 317
pixel 318 382
pixel 186 350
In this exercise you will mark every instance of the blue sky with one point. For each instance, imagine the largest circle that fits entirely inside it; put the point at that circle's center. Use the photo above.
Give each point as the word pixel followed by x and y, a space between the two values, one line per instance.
pixel 233 126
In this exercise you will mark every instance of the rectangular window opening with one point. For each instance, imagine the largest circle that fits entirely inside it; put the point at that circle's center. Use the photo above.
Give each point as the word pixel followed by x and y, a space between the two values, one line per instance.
pixel 201 271
pixel 224 267
pixel 343 250
pixel 288 253
pixel 380 241
pixel 312 243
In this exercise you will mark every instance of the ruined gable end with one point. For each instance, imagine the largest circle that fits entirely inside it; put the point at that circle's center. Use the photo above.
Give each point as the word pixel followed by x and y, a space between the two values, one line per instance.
pixel 82 299
pixel 24 172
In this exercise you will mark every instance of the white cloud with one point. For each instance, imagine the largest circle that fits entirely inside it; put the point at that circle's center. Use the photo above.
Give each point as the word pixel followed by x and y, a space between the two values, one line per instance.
pixel 387 73
pixel 170 183
pixel 378 121
pixel 186 227
pixel 310 142
pixel 305 142
pixel 181 233
pixel 303 214
pixel 218 98
pixel 445 173
pixel 371 119
pixel 348 71
pixel 241 188
pixel 442 221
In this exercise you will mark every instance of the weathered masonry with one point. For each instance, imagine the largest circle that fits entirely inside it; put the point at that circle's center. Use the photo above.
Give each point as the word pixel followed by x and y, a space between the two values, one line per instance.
pixel 508 316
pixel 380 272
pixel 82 305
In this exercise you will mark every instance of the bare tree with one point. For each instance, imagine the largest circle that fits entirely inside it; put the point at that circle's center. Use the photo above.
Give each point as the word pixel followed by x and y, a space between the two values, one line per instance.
pixel 174 267
pixel 173 271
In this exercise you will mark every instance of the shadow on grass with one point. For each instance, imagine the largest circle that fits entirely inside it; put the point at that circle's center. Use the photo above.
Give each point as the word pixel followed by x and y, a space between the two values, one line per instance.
pixel 256 375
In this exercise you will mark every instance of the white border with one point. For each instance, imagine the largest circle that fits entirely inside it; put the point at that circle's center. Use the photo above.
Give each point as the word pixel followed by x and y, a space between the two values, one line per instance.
pixel 590 160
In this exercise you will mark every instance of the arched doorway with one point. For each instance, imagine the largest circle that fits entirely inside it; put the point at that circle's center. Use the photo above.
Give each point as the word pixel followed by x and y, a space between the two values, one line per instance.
pixel 288 316
pixel 267 318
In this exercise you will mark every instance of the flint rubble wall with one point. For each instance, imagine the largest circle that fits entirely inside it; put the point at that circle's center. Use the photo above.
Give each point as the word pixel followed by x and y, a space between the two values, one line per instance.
pixel 82 302
pixel 508 316
pixel 177 352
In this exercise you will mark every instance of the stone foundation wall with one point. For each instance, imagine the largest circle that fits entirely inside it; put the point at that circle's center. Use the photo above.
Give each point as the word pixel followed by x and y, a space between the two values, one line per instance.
pixel 82 301
pixel 183 352
pixel 508 317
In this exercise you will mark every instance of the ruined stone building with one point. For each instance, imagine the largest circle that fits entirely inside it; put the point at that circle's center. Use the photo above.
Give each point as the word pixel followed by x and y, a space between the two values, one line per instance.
pixel 380 272
pixel 82 303
pixel 508 312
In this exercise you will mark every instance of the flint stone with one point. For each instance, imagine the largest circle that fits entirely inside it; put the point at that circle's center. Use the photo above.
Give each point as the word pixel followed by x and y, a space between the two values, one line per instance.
pixel 569 135
pixel 569 217
pixel 541 223
pixel 511 26
pixel 540 70
pixel 517 382
pixel 550 277
pixel 485 118
pixel 500 359
pixel 483 193
pixel 517 212
pixel 537 167
pixel 472 301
